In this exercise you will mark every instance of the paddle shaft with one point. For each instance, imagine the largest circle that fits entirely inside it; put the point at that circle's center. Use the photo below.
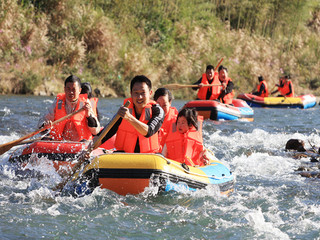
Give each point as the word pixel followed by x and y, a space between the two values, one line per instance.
pixel 85 155
pixel 30 141
pixel 178 86
pixel 204 85
pixel 7 146
pixel 216 68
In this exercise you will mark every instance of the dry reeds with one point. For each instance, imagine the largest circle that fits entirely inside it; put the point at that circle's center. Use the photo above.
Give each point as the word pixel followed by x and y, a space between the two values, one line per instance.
pixel 108 42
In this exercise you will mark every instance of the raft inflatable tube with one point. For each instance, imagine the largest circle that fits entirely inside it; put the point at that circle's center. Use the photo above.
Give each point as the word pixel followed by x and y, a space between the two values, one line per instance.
pixel 132 173
pixel 63 154
pixel 303 101
pixel 215 110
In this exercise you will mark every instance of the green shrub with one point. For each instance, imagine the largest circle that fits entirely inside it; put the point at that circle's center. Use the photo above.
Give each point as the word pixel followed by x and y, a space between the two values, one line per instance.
pixel 30 82
pixel 171 41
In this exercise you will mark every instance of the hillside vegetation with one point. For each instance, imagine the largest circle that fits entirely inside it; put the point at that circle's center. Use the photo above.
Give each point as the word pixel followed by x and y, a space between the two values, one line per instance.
pixel 107 42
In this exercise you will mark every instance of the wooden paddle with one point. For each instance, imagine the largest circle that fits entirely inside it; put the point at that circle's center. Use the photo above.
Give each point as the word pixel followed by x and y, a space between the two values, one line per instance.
pixel 216 68
pixel 7 146
pixel 271 91
pixel 175 86
pixel 84 156
pixel 30 141
pixel 285 98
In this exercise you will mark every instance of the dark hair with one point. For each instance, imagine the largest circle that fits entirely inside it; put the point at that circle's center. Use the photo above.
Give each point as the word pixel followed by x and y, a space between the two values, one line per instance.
pixel 295 144
pixel 260 78
pixel 209 67
pixel 161 92
pixel 72 79
pixel 191 115
pixel 222 67
pixel 86 88
pixel 140 79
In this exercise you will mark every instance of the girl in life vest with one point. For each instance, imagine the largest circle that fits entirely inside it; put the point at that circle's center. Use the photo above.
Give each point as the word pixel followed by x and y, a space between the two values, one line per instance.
pixel 184 141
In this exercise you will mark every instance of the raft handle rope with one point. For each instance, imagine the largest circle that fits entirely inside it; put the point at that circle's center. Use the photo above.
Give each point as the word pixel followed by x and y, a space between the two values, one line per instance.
pixel 196 174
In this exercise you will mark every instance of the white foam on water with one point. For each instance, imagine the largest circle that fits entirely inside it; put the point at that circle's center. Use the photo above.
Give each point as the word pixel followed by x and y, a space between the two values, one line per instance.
pixel 50 101
pixel 53 210
pixel 266 229
pixel 5 139
pixel 6 111
pixel 264 165
pixel 35 113
pixel 267 183
pixel 42 164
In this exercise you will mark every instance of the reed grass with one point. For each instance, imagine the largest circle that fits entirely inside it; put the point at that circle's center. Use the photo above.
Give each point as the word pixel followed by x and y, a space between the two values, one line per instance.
pixel 107 42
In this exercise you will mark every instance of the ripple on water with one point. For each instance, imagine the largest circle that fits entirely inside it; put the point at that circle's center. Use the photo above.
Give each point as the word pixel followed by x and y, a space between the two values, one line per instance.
pixel 271 201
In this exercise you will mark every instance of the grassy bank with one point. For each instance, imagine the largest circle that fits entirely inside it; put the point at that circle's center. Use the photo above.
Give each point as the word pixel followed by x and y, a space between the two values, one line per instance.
pixel 107 42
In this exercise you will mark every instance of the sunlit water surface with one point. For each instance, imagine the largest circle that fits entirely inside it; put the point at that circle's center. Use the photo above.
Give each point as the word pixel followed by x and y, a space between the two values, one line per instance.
pixel 271 201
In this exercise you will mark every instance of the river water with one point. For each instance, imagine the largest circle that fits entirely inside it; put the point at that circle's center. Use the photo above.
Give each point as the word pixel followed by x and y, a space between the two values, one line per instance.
pixel 271 201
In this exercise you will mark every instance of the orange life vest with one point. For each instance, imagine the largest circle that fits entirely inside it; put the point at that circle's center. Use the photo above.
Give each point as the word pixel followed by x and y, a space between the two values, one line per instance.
pixel 285 89
pixel 266 92
pixel 127 135
pixel 202 93
pixel 227 99
pixel 79 121
pixel 187 147
pixel 168 121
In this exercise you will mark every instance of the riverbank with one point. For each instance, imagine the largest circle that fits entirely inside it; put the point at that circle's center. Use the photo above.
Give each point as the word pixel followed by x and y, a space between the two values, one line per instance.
pixel 107 44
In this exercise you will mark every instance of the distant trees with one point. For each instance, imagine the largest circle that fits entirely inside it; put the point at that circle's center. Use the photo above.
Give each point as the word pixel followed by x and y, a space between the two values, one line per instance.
pixel 106 42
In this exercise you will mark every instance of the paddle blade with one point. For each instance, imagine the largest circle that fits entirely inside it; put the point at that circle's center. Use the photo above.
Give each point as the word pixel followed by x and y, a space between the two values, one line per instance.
pixel 6 147
pixel 216 68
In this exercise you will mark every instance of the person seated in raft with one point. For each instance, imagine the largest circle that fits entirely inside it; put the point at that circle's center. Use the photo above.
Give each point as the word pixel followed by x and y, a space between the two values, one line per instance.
pixel 209 77
pixel 227 92
pixel 87 89
pixel 184 141
pixel 262 88
pixel 137 129
pixel 285 87
pixel 81 126
pixel 164 98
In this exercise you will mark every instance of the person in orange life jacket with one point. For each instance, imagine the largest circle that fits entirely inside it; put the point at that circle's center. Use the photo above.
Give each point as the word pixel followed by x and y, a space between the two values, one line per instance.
pixel 262 88
pixel 87 89
pixel 164 98
pixel 210 77
pixel 285 87
pixel 226 94
pixel 137 129
pixel 79 127
pixel 184 141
